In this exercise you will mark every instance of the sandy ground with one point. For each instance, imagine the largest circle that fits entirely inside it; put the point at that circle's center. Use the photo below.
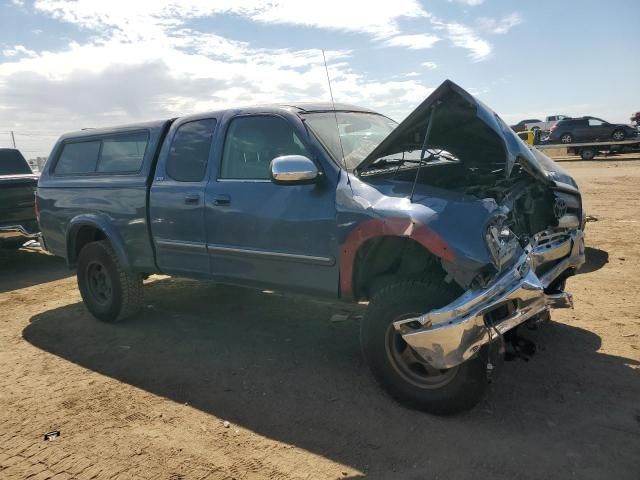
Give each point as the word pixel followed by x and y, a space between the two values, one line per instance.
pixel 148 398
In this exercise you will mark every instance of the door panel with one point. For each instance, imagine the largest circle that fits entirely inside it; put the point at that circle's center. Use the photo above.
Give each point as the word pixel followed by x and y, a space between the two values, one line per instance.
pixel 266 234
pixel 177 200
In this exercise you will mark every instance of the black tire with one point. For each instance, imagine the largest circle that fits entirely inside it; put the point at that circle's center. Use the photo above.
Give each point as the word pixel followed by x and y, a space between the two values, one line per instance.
pixel 110 293
pixel 587 153
pixel 618 135
pixel 455 390
pixel 566 138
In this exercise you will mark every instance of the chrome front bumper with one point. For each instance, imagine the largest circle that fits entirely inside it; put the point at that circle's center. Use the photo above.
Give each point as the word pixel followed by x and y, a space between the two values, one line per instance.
pixel 450 335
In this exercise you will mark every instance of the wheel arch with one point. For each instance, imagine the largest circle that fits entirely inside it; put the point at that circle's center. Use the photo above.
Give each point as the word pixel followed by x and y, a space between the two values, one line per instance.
pixel 389 247
pixel 84 229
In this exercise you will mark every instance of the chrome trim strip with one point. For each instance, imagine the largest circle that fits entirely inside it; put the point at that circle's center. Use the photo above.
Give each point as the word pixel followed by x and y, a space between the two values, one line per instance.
pixel 244 180
pixel 270 255
pixel 181 245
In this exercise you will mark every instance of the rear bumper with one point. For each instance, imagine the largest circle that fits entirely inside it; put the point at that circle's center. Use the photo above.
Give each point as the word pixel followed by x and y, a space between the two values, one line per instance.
pixel 448 336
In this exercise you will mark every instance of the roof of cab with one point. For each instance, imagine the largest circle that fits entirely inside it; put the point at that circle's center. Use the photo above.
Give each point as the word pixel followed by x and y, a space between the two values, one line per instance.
pixel 300 107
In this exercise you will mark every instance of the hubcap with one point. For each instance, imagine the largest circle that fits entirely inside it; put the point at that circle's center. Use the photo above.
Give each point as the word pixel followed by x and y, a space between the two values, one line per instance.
pixel 566 139
pixel 410 366
pixel 99 283
pixel 618 135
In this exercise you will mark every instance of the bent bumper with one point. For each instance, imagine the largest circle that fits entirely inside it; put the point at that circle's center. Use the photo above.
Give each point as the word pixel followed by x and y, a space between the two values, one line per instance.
pixel 448 336
pixel 16 231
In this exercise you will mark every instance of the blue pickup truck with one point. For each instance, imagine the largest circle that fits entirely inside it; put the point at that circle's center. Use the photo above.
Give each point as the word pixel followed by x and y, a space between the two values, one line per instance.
pixel 451 228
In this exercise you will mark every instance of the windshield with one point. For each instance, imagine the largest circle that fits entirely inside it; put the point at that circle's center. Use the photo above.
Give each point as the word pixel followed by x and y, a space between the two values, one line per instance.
pixel 360 133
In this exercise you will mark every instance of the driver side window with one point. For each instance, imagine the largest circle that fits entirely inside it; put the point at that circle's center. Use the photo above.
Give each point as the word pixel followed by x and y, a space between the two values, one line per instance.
pixel 252 142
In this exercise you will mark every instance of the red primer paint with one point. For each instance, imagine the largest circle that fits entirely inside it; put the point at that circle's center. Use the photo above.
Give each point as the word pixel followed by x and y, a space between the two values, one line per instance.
pixel 388 227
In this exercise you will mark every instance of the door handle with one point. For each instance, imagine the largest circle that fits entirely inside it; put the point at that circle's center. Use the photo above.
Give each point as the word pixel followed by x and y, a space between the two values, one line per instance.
pixel 192 198
pixel 221 199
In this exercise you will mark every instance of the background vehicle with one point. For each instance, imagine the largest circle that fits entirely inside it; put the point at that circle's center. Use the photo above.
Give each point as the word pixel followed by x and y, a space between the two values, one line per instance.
pixel 547 124
pixel 454 244
pixel 18 221
pixel 589 128
pixel 521 126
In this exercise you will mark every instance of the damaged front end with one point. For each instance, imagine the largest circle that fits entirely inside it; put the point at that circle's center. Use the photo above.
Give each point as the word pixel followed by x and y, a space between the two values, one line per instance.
pixel 448 336
pixel 512 218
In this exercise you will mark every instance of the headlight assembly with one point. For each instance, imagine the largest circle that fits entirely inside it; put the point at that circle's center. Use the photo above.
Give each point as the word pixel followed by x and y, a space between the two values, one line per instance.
pixel 501 242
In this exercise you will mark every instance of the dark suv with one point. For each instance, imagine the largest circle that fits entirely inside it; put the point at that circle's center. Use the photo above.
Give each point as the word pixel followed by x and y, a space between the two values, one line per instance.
pixel 588 128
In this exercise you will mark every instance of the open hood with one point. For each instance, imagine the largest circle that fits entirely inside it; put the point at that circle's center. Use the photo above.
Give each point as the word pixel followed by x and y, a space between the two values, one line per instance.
pixel 463 126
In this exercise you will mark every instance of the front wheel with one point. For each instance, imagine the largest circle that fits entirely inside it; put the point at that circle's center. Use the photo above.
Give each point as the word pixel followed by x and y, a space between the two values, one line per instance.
pixel 400 370
pixel 110 292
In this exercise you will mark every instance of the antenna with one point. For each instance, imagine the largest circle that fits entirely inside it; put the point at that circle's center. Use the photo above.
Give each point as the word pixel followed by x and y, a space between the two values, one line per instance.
pixel 423 151
pixel 335 116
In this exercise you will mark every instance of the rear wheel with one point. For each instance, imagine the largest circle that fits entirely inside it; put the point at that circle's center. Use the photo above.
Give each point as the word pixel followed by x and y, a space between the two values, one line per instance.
pixel 566 138
pixel 618 135
pixel 110 292
pixel 399 369
pixel 587 153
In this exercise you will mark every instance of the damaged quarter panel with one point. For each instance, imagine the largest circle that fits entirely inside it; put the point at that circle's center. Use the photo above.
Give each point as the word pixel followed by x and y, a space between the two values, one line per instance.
pixel 448 224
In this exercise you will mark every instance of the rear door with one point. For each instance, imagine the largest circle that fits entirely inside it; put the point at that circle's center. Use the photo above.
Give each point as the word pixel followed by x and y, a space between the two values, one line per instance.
pixel 176 202
pixel 581 129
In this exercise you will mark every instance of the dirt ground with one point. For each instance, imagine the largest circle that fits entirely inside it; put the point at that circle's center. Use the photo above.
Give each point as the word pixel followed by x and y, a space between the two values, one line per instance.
pixel 148 398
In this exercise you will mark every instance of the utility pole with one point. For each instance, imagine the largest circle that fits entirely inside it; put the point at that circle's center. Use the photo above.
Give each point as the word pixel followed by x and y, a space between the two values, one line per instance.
pixel 13 139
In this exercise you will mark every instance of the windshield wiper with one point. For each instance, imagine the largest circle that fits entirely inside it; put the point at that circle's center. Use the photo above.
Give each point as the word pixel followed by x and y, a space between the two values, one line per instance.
pixel 384 163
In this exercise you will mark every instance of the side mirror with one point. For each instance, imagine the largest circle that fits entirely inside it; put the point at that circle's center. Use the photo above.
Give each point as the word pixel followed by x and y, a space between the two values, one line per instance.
pixel 293 170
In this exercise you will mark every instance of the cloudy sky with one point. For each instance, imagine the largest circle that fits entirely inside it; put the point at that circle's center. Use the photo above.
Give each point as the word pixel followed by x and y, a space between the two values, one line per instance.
pixel 65 65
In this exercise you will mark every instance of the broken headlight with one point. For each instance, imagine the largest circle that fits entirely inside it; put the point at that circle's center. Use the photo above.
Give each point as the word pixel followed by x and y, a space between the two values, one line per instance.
pixel 501 242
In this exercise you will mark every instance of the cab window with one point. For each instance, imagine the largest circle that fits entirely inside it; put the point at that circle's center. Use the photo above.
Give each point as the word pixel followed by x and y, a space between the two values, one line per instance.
pixel 252 142
pixel 189 152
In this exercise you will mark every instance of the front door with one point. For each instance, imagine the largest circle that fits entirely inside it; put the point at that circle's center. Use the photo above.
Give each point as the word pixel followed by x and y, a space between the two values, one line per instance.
pixel 598 129
pixel 177 199
pixel 262 233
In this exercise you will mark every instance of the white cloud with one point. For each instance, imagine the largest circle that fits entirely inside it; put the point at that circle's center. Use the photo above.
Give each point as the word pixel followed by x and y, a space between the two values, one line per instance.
pixel 417 41
pixel 430 65
pixel 146 60
pixel 375 17
pixel 469 3
pixel 17 51
pixel 500 25
pixel 464 37
pixel 144 64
